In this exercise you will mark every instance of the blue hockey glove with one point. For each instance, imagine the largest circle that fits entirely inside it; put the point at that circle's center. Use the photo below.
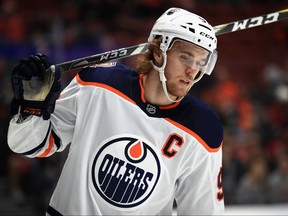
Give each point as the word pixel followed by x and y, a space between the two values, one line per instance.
pixel 36 87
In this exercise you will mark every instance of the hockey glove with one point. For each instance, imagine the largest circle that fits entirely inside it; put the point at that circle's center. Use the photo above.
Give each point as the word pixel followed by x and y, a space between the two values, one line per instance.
pixel 36 87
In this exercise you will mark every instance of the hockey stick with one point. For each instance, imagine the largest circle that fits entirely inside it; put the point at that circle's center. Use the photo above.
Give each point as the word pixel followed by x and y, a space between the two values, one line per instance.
pixel 251 22
pixel 141 48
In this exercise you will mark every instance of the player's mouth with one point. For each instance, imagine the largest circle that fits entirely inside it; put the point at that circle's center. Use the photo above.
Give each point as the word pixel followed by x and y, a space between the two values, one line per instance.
pixel 185 82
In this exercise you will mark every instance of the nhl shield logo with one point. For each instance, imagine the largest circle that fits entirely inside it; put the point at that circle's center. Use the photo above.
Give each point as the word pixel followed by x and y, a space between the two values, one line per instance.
pixel 125 171
pixel 151 109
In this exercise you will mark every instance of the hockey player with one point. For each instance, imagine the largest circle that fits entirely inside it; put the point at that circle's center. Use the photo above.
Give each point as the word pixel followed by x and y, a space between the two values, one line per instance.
pixel 138 141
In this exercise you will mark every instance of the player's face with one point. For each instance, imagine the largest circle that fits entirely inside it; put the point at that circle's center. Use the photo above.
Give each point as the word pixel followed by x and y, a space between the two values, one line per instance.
pixel 184 61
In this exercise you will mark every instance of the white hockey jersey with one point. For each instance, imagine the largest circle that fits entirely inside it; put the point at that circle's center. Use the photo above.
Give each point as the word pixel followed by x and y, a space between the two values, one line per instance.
pixel 127 156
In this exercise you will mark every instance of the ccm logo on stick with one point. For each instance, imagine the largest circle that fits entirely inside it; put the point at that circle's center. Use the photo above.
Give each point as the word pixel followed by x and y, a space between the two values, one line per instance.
pixel 256 21
pixel 112 55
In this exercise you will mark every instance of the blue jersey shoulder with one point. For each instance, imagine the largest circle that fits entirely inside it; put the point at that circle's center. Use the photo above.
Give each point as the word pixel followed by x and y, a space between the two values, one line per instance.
pixel 202 120
pixel 114 74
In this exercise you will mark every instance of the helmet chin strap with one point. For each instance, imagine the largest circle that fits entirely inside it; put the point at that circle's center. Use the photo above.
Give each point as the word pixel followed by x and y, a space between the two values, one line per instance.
pixel 163 78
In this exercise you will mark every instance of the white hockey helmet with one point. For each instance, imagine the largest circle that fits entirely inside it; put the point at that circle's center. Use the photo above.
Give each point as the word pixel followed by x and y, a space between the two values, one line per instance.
pixel 177 23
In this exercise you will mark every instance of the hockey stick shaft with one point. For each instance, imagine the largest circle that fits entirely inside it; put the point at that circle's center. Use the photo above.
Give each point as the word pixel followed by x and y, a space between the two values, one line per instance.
pixel 141 48
pixel 251 22
pixel 102 57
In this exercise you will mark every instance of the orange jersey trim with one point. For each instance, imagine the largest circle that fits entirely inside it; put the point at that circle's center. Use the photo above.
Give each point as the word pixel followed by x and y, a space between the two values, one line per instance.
pixel 199 139
pixel 50 146
pixel 101 85
pixel 142 88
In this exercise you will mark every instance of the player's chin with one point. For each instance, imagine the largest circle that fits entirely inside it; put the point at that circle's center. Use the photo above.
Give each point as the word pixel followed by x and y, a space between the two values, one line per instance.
pixel 180 93
pixel 183 91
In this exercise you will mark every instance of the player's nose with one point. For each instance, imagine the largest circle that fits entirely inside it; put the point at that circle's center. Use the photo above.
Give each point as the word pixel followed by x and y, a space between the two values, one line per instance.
pixel 192 70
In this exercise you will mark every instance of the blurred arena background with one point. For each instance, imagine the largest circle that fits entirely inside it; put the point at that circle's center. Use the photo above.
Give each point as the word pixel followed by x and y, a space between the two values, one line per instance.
pixel 248 89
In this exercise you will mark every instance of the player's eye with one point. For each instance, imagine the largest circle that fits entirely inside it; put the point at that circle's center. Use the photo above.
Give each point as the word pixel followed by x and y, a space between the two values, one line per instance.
pixel 184 58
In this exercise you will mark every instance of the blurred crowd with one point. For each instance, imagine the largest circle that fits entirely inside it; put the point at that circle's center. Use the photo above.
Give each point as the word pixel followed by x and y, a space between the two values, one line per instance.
pixel 249 92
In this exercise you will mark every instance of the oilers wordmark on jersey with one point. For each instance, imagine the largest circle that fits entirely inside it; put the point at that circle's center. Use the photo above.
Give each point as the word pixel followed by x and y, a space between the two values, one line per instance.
pixel 127 177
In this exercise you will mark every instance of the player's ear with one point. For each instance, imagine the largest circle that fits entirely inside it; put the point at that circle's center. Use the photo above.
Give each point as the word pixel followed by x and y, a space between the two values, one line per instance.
pixel 158 58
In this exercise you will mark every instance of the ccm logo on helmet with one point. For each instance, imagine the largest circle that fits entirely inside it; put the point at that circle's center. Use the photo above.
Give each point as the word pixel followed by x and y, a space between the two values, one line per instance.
pixel 125 171
pixel 207 35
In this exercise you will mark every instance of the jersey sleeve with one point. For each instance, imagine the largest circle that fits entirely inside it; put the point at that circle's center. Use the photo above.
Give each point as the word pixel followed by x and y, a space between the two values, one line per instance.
pixel 33 137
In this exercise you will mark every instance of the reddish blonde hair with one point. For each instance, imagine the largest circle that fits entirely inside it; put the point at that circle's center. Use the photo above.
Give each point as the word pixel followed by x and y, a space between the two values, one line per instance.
pixel 143 65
